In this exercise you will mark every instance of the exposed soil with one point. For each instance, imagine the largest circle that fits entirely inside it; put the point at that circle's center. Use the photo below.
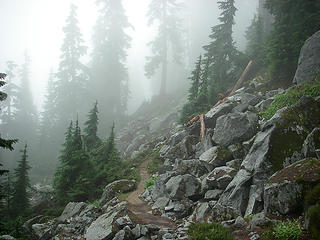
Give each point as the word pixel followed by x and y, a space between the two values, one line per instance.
pixel 141 209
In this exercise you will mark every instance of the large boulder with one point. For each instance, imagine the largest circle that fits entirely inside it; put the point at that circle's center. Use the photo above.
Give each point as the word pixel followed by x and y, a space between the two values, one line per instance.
pixel 211 117
pixel 284 191
pixel 235 128
pixel 309 60
pixel 194 167
pixel 283 135
pixel 217 156
pixel 116 187
pixel 106 225
pixel 159 187
pixel 220 177
pixel 72 209
pixel 183 186
pixel 183 150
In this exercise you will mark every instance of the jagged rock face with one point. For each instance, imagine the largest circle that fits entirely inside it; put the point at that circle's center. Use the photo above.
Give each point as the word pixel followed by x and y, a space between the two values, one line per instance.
pixel 120 186
pixel 235 128
pixel 281 137
pixel 183 150
pixel 72 209
pixel 194 167
pixel 217 156
pixel 309 60
pixel 183 186
pixel 284 191
pixel 311 144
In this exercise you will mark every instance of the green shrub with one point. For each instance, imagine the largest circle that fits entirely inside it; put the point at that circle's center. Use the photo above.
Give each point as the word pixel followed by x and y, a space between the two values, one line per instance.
pixel 290 230
pixel 292 96
pixel 150 183
pixel 209 231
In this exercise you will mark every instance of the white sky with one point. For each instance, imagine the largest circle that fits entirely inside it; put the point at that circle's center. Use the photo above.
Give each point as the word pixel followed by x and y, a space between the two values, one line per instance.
pixel 36 26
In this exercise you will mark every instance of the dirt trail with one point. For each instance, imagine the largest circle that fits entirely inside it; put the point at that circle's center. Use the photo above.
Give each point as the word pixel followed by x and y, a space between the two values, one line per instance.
pixel 140 208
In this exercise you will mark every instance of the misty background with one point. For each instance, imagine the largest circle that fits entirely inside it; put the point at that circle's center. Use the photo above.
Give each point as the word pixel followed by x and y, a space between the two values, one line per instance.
pixel 36 26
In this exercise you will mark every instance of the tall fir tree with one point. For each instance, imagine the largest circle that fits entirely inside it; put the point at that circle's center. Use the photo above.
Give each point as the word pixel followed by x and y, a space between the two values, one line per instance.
pixel 168 42
pixel 73 177
pixel 91 128
pixel 26 118
pixel 49 138
pixel 20 200
pixel 195 80
pixel 222 51
pixel 256 37
pixel 294 22
pixel 72 76
pixel 9 105
pixel 110 76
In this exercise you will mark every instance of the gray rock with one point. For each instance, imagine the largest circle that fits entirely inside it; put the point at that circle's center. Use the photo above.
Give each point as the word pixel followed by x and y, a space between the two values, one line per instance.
pixel 164 150
pixel 161 203
pixel 116 187
pixel 102 227
pixel 263 105
pixel 236 163
pixel 255 203
pixel 183 186
pixel 217 156
pixel 139 231
pixel 240 108
pixel 258 220
pixel 123 221
pixel 201 212
pixel 237 150
pixel 194 167
pixel 213 194
pixel 235 128
pixel 311 143
pixel 185 149
pixel 164 168
pixel 254 101
pixel 222 213
pixel 71 210
pixel 124 234
pixel 7 237
pixel 309 59
pixel 240 222
pixel 159 187
pixel 135 144
pixel 177 138
pixel 272 93
pixel 220 177
pixel 236 194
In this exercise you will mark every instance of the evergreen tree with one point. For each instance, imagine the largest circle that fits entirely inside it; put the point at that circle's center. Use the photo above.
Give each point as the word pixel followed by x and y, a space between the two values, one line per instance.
pixel 222 51
pixel 294 22
pixel 91 128
pixel 72 75
pixel 165 13
pixel 73 176
pixel 110 76
pixel 195 81
pixel 20 199
pixel 25 122
pixel 255 36
pixel 9 105
pixel 109 165
pixel 49 138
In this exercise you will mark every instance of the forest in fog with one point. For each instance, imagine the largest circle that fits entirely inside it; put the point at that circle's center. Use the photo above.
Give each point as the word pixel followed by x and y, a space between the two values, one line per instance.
pixel 73 74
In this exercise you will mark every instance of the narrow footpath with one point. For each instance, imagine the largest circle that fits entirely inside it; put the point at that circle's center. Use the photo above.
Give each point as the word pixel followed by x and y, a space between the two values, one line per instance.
pixel 140 208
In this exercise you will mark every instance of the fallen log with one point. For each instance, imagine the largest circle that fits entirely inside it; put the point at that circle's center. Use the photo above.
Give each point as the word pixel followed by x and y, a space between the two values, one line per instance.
pixel 235 88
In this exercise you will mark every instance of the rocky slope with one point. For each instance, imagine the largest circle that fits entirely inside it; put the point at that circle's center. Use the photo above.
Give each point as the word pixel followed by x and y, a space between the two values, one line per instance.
pixel 244 168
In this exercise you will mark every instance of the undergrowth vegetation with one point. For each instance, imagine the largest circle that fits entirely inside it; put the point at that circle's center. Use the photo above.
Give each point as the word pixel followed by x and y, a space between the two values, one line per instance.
pixel 288 230
pixel 210 231
pixel 292 96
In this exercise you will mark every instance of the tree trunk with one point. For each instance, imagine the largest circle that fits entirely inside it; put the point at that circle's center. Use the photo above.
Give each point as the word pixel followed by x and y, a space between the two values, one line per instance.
pixel 164 51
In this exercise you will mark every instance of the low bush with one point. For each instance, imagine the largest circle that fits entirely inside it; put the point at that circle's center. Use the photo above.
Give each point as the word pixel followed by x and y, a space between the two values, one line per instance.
pixel 288 230
pixel 292 96
pixel 209 231
pixel 150 183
